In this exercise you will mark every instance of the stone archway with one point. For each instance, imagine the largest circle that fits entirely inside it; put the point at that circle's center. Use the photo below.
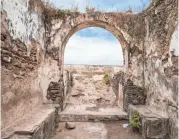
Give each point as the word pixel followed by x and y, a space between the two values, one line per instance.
pixel 82 73
pixel 121 25
pixel 87 24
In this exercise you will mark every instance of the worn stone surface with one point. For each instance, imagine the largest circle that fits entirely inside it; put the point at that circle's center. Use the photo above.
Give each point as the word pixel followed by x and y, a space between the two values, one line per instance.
pixel 91 113
pixel 39 123
pixel 153 125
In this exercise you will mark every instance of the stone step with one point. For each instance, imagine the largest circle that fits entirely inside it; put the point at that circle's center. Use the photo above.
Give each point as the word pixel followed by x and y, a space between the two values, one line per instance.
pixel 87 113
pixel 39 123
pixel 89 118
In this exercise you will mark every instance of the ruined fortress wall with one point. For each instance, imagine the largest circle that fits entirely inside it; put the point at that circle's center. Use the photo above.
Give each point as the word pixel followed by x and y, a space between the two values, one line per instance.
pixel 147 39
pixel 161 61
pixel 25 71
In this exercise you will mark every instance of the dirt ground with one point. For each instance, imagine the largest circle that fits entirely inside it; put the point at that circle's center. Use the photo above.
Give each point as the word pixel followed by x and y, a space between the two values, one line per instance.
pixel 97 130
pixel 89 88
pixel 91 96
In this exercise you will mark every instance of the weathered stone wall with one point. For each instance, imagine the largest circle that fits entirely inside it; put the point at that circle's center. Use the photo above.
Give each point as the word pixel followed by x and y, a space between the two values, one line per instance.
pixel 24 20
pixel 151 63
pixel 126 91
pixel 59 91
pixel 122 25
pixel 133 94
pixel 25 70
pixel 161 60
pixel 67 78
pixel 55 93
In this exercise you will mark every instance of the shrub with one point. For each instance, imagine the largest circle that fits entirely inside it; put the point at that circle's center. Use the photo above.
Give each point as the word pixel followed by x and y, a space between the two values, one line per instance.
pixel 106 79
pixel 135 120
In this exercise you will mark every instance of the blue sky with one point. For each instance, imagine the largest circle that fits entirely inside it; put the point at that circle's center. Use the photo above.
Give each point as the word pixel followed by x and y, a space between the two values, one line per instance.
pixel 104 5
pixel 93 46
pixel 96 46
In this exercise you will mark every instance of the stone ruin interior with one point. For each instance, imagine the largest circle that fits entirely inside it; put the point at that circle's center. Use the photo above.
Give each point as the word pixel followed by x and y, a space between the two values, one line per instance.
pixel 43 98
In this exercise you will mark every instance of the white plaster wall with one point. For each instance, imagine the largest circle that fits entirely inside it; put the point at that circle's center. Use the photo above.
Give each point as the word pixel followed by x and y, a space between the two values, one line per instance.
pixel 174 42
pixel 23 24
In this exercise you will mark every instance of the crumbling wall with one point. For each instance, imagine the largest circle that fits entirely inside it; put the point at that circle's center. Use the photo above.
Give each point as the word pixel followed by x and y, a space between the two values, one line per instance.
pixel 161 60
pixel 58 92
pixel 67 76
pixel 151 63
pixel 25 70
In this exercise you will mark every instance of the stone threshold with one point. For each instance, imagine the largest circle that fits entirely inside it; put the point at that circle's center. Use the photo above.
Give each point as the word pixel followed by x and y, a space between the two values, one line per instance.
pixel 87 113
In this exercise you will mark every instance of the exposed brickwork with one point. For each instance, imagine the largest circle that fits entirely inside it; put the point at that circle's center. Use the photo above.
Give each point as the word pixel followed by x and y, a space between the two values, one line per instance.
pixel 55 92
pixel 133 95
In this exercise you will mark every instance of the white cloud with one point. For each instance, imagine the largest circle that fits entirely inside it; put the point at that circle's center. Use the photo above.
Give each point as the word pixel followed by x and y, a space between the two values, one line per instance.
pixel 93 50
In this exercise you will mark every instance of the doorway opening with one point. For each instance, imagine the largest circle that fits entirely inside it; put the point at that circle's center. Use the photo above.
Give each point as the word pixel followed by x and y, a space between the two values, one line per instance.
pixel 92 56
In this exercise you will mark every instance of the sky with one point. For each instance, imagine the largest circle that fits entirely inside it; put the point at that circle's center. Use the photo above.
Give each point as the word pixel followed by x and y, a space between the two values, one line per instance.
pixel 94 45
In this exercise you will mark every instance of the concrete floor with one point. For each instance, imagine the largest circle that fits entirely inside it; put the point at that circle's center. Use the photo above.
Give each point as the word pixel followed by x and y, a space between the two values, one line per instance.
pixel 96 130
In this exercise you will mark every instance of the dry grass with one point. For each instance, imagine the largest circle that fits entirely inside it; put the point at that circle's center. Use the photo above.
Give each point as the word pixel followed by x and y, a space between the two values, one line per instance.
pixel 50 11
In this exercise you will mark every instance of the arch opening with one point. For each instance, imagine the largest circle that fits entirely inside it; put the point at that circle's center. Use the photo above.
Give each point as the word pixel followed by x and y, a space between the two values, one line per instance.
pixel 95 23
pixel 93 46
pixel 93 82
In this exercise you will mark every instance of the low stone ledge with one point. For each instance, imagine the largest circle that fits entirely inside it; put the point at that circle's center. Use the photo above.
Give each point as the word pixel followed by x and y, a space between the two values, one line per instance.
pixel 90 118
pixel 152 125
pixel 38 124
pixel 80 113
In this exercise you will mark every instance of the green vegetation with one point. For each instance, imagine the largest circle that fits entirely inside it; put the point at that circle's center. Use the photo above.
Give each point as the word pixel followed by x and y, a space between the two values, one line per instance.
pixel 50 11
pixel 66 12
pixel 106 79
pixel 135 120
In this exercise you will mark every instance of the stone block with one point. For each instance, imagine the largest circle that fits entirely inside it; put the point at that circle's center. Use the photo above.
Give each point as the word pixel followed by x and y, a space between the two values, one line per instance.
pixel 154 128
pixel 152 125
pixel 37 124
